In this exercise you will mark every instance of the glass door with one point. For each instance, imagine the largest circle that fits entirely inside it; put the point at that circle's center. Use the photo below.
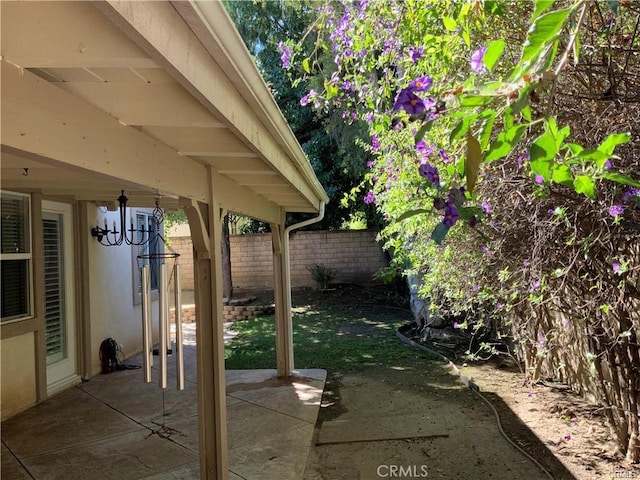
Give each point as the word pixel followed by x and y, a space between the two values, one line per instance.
pixel 60 342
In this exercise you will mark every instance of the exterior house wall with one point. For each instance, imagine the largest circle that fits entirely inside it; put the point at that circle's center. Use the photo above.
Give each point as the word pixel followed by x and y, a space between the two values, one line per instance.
pixel 354 254
pixel 114 313
pixel 18 373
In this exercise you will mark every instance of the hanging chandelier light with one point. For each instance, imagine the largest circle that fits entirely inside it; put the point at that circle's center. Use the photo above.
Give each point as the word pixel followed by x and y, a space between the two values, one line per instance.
pixel 129 236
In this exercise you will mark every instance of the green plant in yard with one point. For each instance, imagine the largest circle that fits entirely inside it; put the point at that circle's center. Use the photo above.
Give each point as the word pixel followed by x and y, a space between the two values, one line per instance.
pixel 322 274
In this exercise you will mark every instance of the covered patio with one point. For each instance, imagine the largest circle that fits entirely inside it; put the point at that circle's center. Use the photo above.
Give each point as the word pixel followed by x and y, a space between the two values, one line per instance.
pixel 161 100
pixel 115 426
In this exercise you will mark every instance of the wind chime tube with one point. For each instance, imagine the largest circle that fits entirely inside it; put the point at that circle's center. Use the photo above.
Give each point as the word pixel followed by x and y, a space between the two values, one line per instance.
pixel 146 323
pixel 162 324
pixel 178 310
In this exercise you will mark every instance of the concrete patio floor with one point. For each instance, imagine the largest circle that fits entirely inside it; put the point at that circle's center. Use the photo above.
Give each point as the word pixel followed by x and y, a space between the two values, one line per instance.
pixel 115 426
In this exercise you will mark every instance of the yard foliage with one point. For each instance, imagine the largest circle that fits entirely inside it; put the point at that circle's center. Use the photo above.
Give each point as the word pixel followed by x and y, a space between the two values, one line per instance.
pixel 502 152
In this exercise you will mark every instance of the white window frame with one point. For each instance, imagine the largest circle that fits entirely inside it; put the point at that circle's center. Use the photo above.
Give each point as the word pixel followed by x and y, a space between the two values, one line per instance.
pixel 23 256
pixel 135 249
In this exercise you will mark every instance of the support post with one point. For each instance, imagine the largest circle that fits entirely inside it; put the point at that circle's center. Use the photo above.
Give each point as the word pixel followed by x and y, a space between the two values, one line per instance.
pixel 284 326
pixel 206 227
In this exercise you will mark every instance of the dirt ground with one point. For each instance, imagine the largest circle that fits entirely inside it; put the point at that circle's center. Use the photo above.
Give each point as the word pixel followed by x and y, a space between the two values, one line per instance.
pixel 573 429
pixel 454 435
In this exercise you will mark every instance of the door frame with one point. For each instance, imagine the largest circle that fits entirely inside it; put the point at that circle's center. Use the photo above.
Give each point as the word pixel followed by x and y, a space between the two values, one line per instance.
pixel 66 370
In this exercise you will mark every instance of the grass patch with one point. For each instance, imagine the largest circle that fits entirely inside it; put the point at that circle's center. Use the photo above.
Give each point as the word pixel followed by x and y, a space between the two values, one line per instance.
pixel 337 338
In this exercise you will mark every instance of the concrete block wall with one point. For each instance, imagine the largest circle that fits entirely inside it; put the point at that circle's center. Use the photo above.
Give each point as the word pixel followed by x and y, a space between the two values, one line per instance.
pixel 353 254
pixel 184 247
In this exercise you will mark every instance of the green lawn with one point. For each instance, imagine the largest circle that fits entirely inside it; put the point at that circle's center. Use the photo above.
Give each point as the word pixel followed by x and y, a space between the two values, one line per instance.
pixel 338 338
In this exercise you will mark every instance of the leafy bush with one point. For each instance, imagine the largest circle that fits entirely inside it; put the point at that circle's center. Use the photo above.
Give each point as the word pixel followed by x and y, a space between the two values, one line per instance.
pixel 322 274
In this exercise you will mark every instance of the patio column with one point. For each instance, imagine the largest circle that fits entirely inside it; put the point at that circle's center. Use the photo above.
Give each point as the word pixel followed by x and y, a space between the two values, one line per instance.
pixel 205 222
pixel 281 291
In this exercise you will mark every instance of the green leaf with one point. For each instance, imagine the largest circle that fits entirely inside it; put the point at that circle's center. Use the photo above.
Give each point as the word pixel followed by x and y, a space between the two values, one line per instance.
pixel 462 127
pixel 541 7
pixel 413 213
pixel 439 233
pixel 493 53
pixel 622 179
pixel 504 143
pixel 562 174
pixel 450 24
pixel 489 117
pixel 542 153
pixel 330 89
pixel 614 5
pixel 543 32
pixel 423 130
pixel 612 141
pixel 305 65
pixel 472 163
pixel 474 101
pixel 585 185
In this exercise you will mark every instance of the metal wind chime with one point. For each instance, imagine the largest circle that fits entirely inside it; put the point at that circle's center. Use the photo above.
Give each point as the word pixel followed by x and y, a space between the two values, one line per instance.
pixel 148 236
pixel 164 343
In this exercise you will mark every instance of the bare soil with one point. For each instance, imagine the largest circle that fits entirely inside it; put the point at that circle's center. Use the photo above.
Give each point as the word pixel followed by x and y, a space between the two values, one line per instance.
pixel 572 428
pixel 561 430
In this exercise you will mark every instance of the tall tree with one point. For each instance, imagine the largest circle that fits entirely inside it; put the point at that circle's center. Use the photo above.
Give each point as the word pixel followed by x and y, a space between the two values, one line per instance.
pixel 337 160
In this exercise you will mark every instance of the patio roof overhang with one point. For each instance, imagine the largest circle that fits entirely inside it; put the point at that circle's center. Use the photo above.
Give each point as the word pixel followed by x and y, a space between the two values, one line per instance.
pixel 156 98
pixel 147 97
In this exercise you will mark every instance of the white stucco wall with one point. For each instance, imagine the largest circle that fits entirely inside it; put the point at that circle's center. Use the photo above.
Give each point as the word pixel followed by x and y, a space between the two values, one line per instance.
pixel 18 373
pixel 113 313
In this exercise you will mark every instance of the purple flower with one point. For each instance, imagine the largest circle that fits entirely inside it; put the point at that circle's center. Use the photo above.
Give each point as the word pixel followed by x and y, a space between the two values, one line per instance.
pixel 476 60
pixel 305 100
pixel 608 164
pixel 456 325
pixel 616 210
pixel 429 172
pixel 486 207
pixel 616 267
pixel 420 84
pixel 539 179
pixel 450 215
pixel 521 159
pixel 369 163
pixel 369 198
pixel 285 58
pixel 444 156
pixel 630 194
pixel 535 286
pixel 424 149
pixel 567 437
pixel 375 143
pixel 416 53
pixel 409 102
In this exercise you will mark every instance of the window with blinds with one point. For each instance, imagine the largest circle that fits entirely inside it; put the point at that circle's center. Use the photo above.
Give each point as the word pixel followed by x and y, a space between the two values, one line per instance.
pixel 54 295
pixel 146 221
pixel 15 256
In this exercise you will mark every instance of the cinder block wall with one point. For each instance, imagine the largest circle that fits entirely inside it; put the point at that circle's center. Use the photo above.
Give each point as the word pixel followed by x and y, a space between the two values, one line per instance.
pixel 353 254
pixel 184 247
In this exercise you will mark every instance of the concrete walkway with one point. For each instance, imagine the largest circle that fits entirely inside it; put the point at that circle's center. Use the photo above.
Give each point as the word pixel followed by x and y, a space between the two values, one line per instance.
pixel 117 427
